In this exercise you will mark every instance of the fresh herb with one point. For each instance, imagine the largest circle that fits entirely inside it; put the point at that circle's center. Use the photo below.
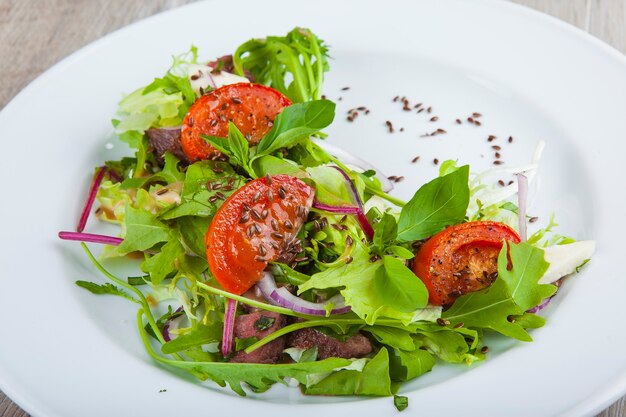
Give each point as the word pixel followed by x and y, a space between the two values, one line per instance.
pixel 299 56
pixel 401 402
pixel 264 323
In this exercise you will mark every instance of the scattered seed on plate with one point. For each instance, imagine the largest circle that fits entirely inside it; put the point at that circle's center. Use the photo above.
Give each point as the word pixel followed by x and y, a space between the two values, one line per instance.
pixel 345 88
pixel 533 219
pixel 498 162
pixel 436 161
pixel 389 126
pixel 434 118
pixel 510 139
pixel 501 183
pixel 458 121
pixel 496 147
pixel 414 160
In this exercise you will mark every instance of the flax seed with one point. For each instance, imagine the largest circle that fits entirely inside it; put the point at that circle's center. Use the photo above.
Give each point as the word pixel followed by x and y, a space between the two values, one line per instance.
pixel 434 118
pixel 414 160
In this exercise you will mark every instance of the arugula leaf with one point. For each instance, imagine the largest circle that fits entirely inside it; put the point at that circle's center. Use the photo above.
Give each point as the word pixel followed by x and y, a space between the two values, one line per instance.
pixel 143 231
pixel 235 146
pixel 491 307
pixel 440 203
pixel 257 376
pixel 295 124
pixel 398 286
pixel 299 56
pixel 373 380
pixel 163 263
pixel 200 335
pixel 106 288
pixel 528 265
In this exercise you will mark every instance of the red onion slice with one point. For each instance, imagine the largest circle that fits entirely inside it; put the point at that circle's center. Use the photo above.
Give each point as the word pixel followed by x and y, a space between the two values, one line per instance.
pixel 350 159
pixel 229 326
pixel 336 209
pixel 172 323
pixel 282 297
pixel 93 189
pixel 522 196
pixel 90 237
pixel 360 215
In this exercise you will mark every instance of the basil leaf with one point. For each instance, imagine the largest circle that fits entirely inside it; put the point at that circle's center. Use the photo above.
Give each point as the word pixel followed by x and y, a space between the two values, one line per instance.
pixel 236 146
pixel 440 203
pixel 296 123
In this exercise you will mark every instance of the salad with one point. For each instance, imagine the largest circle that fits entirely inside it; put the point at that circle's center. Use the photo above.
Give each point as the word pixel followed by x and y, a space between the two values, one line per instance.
pixel 270 256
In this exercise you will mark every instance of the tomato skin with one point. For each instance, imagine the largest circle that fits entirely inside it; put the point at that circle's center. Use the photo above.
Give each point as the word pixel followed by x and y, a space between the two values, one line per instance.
pixel 461 259
pixel 254 226
pixel 251 107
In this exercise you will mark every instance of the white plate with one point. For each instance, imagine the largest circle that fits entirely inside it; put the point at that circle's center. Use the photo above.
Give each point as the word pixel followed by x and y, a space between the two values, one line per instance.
pixel 67 353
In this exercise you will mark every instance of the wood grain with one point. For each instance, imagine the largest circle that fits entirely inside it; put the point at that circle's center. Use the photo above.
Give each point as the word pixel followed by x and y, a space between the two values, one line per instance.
pixel 36 35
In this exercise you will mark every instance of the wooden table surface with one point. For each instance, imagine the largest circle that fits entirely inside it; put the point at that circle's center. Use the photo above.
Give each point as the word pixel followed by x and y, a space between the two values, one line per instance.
pixel 35 35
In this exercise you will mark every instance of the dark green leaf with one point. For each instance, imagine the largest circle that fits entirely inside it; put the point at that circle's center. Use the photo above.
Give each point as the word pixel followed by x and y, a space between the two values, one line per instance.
pixel 241 344
pixel 436 205
pixel 401 402
pixel 296 123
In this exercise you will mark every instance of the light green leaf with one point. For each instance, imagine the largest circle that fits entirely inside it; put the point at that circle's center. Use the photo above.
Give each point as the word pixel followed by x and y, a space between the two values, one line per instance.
pixel 398 286
pixel 200 335
pixel 522 280
pixel 373 380
pixel 164 262
pixel 143 231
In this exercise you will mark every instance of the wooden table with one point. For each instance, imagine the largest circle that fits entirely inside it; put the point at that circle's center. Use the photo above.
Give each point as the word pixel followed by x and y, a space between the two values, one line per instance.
pixel 35 35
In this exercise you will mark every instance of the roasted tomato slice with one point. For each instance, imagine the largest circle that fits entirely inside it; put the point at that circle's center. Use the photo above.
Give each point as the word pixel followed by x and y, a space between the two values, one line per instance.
pixel 251 107
pixel 461 259
pixel 257 224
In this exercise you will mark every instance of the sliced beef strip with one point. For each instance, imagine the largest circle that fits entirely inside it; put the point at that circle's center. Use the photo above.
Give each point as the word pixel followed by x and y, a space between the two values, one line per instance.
pixel 260 324
pixel 166 139
pixel 328 347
